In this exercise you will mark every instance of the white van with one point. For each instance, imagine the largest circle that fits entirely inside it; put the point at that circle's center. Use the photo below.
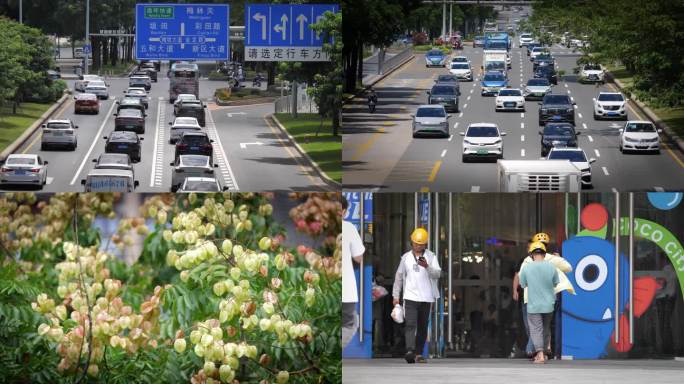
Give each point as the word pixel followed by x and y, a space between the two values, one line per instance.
pixel 538 176
pixel 109 180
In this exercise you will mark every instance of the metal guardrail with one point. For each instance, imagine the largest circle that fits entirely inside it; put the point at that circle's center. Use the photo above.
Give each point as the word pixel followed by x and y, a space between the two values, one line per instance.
pixel 396 60
pixel 305 103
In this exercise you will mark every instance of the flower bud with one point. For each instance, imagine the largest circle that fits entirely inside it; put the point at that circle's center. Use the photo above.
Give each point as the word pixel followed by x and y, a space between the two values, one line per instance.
pixel 283 377
pixel 167 235
pixel 268 308
pixel 207 340
pixel 61 312
pixel 227 247
pixel 265 243
pixel 184 276
pixel 195 336
pixel 226 373
pixel 162 217
pixel 217 333
pixel 209 368
pixel 265 324
pixel 219 289
pixel 43 329
pixel 239 227
pixel 309 297
pixel 199 350
pixel 179 345
pixel 93 369
pixel 235 273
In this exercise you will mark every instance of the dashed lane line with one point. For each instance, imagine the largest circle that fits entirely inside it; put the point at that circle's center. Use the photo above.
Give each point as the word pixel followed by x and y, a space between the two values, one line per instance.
pixel 591 139
pixel 220 158
pixel 605 170
pixel 584 125
pixel 475 188
pixel 443 153
pixel 92 146
pixel 158 157
pixel 522 152
pixel 598 154
pixel 522 137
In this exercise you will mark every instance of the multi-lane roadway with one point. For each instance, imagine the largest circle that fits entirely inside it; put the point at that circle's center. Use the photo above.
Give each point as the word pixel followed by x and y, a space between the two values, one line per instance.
pixel 252 153
pixel 379 152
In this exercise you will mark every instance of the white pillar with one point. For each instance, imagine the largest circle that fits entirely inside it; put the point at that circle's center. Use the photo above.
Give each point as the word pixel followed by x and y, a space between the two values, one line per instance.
pixel 444 19
pixel 451 18
pixel 87 38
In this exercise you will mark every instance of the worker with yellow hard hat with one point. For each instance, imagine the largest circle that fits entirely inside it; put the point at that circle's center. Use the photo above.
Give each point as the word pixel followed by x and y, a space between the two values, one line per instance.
pixel 417 277
pixel 562 267
pixel 540 278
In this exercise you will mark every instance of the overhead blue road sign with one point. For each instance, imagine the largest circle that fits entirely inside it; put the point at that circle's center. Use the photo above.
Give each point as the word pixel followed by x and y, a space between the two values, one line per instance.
pixel 282 32
pixel 182 31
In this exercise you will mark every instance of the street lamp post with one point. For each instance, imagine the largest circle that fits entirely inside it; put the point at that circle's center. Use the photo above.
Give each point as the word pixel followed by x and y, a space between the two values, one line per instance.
pixel 21 12
pixel 86 51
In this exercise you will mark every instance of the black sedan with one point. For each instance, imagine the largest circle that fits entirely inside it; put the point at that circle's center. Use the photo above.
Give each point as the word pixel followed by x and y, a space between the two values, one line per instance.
pixel 546 72
pixel 124 142
pixel 557 135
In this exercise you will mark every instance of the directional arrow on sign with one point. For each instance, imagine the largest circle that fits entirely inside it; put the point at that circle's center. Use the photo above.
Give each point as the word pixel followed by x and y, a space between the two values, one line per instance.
pixel 258 16
pixel 235 113
pixel 282 27
pixel 244 145
pixel 301 19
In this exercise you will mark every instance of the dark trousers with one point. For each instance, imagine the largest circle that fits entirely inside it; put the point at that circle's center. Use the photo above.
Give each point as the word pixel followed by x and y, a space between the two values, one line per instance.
pixel 416 316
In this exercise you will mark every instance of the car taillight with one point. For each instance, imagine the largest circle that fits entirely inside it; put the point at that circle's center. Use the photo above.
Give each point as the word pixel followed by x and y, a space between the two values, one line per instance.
pixel 34 170
pixel 182 146
pixel 3 169
pixel 207 146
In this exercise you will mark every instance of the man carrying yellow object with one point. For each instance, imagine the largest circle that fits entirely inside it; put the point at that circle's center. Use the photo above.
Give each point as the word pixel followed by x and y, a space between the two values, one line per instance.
pixel 562 266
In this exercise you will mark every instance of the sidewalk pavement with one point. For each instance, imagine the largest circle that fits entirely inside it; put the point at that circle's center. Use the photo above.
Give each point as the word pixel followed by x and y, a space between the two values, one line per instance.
pixel 504 371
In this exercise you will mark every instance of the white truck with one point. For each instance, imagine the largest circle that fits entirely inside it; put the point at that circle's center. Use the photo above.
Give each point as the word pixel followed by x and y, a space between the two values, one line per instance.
pixel 538 176
pixel 494 61
pixel 109 180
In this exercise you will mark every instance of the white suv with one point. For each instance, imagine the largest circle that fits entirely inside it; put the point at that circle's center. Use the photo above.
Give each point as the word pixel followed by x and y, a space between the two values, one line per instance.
pixel 482 140
pixel 592 73
pixel 639 135
pixel 525 39
pixel 610 105
pixel 58 133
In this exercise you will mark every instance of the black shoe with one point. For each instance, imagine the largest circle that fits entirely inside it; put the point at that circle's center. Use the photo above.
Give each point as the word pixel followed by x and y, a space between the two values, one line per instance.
pixel 410 357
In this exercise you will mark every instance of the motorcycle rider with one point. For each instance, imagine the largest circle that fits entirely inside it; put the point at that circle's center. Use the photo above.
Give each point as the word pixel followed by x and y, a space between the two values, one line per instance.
pixel 372 99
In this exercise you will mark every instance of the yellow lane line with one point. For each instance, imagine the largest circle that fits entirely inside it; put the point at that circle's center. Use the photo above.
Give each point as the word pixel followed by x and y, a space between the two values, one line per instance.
pixel 435 169
pixel 365 146
pixel 279 135
pixel 425 189
pixel 38 136
pixel 667 147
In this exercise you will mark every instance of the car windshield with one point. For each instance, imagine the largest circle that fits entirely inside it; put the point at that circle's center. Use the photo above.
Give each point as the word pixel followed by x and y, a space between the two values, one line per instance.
pixel 460 66
pixel 123 136
pixel 494 77
pixel 479 37
pixel 574 156
pixel 201 186
pixel 460 59
pixel 185 121
pixel 443 91
pixel 191 104
pixel 525 36
pixel 510 92
pixel 59 125
pixel 136 92
pixel 538 83
pixel 556 99
pixel 195 161
pixel 610 97
pixel 592 67
pixel 435 53
pixel 558 130
pixel 640 127
pixel 480 131
pixel 430 112
pixel 21 161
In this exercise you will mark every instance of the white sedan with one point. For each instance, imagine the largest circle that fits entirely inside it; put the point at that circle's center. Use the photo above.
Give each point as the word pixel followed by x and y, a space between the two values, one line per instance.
pixel 639 135
pixel 511 99
pixel 461 70
pixel 482 140
pixel 578 158
pixel 24 170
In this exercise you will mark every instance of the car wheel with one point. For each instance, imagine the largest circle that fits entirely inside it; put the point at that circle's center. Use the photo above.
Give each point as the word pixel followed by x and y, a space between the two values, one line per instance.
pixel 541 123
pixel 464 158
pixel 657 151
pixel 596 117
pixel 621 149
pixel 42 146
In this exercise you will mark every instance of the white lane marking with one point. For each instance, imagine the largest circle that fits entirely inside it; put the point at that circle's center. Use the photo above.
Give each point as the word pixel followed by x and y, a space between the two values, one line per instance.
pixel 467 99
pixel 455 125
pixel 572 99
pixel 443 153
pixel 566 85
pixel 465 105
pixel 230 114
pixel 49 180
pixel 474 83
pixel 584 125
pixel 579 114
pixel 220 157
pixel 522 125
pixel 659 189
pixel 472 90
pixel 614 190
pixel 95 141
pixel 451 137
pixel 598 154
pixel 568 91
pixel 158 157
pixel 522 152
pixel 591 139
pixel 522 137
pixel 522 115
pixel 460 114
pixel 575 106
pixel 475 188
pixel 605 170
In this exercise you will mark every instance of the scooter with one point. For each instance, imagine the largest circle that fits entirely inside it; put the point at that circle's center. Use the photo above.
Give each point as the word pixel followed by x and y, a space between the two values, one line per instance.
pixel 371 105
pixel 257 81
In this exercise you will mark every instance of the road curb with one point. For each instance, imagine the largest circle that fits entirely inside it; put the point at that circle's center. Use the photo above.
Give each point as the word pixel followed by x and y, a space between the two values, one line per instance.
pixel 382 77
pixel 301 150
pixel 669 132
pixel 33 128
pixel 253 101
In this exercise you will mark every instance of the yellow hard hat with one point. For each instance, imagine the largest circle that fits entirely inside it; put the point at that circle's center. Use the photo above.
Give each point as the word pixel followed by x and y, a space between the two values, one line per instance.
pixel 419 236
pixel 541 236
pixel 535 246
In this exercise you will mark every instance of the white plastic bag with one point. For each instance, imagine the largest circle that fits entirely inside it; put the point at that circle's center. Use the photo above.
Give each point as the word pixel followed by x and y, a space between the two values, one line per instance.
pixel 398 313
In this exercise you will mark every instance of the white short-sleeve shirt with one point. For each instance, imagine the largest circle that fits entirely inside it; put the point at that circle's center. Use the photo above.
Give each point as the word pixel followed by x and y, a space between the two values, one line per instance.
pixel 351 246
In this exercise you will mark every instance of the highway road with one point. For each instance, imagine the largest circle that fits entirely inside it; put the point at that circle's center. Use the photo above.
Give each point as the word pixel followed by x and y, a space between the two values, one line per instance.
pixel 252 154
pixel 380 154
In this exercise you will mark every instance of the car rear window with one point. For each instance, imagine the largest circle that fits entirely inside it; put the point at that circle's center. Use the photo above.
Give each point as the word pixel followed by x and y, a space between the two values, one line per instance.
pixel 109 159
pixel 58 125
pixel 21 161
pixel 130 112
pixel 195 161
pixel 460 66
pixel 537 82
pixel 185 121
pixel 610 97
pixel 430 112
pixel 443 91
pixel 202 185
pixel 477 131
pixel 576 156
pixel 640 127
pixel 195 139
pixel 435 53
pixel 494 77
pixel 558 130
pixel 556 99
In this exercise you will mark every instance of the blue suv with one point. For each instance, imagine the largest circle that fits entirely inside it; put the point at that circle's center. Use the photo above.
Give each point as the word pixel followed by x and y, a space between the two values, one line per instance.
pixel 492 82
